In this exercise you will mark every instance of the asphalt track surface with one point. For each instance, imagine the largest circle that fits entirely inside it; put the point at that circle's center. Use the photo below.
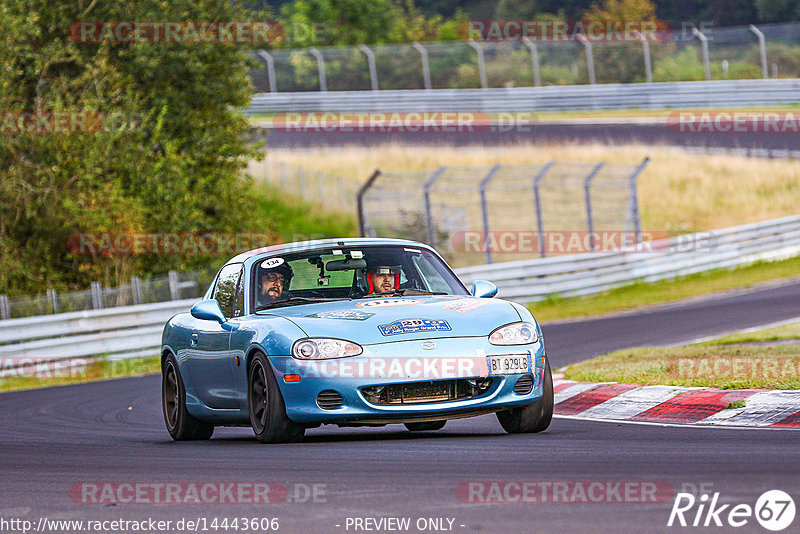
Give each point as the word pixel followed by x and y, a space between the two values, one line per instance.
pixel 540 133
pixel 106 432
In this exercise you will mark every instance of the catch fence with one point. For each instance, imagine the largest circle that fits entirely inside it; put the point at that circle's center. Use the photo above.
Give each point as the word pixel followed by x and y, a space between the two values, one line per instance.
pixel 469 213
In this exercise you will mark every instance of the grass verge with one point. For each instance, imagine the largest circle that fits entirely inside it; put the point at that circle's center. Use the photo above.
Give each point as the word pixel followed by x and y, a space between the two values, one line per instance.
pixel 725 363
pixel 643 294
pixel 46 375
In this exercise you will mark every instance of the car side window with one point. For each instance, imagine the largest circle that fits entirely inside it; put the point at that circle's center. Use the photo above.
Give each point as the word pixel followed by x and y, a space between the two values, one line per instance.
pixel 226 287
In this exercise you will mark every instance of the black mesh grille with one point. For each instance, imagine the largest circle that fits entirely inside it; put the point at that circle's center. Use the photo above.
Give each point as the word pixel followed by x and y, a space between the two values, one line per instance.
pixel 433 391
pixel 524 385
pixel 329 399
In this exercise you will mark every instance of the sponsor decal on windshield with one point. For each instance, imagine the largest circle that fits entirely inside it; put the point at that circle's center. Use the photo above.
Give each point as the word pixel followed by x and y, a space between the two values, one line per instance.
pixel 410 326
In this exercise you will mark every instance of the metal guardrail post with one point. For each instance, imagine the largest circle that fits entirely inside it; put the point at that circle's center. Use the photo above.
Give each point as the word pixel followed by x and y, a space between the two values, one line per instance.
pixel 704 42
pixel 648 65
pixel 589 57
pixel 634 201
pixel 136 289
pixel 428 212
pixel 302 173
pixel 373 70
pixel 537 77
pixel 323 81
pixel 52 297
pixel 273 84
pixel 539 223
pixel 362 218
pixel 321 184
pixel 97 296
pixel 481 63
pixel 485 210
pixel 426 68
pixel 587 186
pixel 174 289
pixel 5 312
pixel 762 45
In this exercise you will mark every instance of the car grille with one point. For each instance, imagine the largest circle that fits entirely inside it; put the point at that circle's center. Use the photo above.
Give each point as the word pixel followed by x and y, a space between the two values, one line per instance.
pixel 524 385
pixel 421 392
pixel 329 399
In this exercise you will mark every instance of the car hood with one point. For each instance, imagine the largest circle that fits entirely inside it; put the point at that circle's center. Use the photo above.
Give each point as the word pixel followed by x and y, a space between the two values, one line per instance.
pixel 369 321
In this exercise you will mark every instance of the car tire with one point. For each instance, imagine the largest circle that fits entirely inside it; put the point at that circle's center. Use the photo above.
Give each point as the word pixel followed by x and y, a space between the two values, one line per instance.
pixel 427 425
pixel 180 424
pixel 535 417
pixel 266 406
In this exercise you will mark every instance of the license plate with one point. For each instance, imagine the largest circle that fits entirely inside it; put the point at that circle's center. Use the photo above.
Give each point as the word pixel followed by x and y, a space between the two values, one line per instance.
pixel 512 364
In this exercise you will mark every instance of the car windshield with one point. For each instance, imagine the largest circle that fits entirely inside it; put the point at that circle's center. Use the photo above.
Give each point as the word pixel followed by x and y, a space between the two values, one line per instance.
pixel 351 273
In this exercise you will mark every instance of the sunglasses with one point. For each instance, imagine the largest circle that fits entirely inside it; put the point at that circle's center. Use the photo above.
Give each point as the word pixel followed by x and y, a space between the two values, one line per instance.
pixel 274 277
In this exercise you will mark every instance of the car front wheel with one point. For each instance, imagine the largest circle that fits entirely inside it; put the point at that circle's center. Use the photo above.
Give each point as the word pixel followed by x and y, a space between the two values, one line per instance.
pixel 535 417
pixel 180 424
pixel 267 409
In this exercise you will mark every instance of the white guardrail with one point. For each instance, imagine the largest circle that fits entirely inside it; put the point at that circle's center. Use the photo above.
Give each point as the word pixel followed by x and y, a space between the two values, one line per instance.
pixel 131 331
pixel 714 94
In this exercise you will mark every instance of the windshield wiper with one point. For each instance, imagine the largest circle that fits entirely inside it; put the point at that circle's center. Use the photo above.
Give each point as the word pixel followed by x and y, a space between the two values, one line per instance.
pixel 405 292
pixel 291 301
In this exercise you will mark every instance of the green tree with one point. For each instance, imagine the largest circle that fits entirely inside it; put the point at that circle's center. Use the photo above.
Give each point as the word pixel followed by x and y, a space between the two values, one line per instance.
pixel 177 167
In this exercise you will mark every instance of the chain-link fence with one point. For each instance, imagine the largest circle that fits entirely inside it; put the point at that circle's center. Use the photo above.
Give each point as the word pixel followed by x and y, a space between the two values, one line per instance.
pixel 332 192
pixel 507 212
pixel 173 286
pixel 686 54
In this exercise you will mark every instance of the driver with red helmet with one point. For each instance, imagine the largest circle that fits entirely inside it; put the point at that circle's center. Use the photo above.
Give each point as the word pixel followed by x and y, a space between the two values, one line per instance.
pixel 383 279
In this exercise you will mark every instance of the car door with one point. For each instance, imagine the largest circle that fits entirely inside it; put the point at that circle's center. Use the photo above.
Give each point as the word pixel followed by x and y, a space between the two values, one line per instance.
pixel 210 362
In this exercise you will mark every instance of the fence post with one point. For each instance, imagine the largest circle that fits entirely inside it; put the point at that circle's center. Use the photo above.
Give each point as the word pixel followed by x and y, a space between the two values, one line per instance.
pixel 373 70
pixel 136 289
pixel 362 218
pixel 704 42
pixel 426 68
pixel 321 184
pixel 634 200
pixel 539 223
pixel 428 212
pixel 537 77
pixel 174 289
pixel 589 57
pixel 485 210
pixel 481 63
pixel 587 185
pixel 762 45
pixel 52 296
pixel 323 82
pixel 648 65
pixel 97 296
pixel 273 84
pixel 5 312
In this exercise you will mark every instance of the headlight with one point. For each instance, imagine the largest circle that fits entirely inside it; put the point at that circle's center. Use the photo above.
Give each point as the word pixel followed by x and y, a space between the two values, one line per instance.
pixel 514 334
pixel 320 348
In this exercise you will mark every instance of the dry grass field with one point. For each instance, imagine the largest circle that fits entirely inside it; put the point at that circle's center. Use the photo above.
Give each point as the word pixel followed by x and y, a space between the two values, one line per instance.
pixel 679 192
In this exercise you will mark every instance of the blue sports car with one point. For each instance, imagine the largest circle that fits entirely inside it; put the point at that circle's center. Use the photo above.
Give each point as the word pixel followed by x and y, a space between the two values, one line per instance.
pixel 353 332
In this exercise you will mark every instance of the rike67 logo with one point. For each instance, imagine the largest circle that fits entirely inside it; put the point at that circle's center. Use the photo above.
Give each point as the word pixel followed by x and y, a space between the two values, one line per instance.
pixel 774 510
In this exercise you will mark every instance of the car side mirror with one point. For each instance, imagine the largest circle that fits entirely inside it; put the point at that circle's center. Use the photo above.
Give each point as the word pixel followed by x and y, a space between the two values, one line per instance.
pixel 208 310
pixel 483 289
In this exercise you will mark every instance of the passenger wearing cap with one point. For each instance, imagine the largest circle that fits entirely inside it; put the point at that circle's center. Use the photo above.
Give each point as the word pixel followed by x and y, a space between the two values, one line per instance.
pixel 274 283
pixel 383 279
